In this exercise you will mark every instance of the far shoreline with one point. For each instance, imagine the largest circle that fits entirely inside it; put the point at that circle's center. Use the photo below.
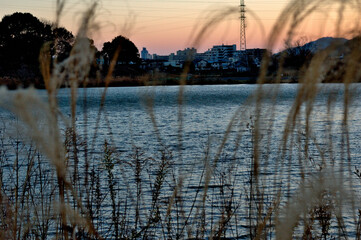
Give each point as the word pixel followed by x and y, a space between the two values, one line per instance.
pixel 142 81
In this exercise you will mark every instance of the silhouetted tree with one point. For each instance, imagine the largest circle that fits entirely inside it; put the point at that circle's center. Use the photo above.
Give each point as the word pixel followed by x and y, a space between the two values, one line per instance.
pixel 64 41
pixel 22 35
pixel 296 56
pixel 21 38
pixel 128 52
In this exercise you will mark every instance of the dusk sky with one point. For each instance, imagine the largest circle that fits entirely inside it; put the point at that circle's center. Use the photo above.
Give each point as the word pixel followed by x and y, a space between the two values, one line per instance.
pixel 165 26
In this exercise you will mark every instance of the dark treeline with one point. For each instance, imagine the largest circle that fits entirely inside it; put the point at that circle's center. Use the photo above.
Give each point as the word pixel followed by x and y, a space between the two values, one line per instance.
pixel 22 36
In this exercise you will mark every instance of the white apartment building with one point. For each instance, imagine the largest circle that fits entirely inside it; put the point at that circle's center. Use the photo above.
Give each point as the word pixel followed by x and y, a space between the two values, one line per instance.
pixel 220 53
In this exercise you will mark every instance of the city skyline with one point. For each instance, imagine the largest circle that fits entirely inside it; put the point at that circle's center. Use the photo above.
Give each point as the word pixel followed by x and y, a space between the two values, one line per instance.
pixel 165 27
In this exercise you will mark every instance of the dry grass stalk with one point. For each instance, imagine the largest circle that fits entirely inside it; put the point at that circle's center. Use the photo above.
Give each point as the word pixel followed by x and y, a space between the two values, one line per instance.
pixel 319 199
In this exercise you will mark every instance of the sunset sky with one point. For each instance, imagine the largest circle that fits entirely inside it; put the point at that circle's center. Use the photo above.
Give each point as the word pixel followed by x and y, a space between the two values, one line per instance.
pixel 165 26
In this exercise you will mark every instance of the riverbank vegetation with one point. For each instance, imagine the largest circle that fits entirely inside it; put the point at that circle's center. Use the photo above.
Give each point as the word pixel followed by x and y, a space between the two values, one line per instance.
pixel 56 184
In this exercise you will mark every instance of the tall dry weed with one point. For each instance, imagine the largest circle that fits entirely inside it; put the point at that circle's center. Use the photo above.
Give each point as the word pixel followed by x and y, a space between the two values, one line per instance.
pixel 68 202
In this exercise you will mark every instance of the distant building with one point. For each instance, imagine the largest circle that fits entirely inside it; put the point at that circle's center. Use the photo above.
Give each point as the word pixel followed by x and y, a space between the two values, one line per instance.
pixel 220 57
pixel 256 53
pixel 220 53
pixel 172 57
pixel 186 54
pixel 174 63
pixel 245 58
pixel 200 56
pixel 161 57
pixel 144 54
pixel 202 65
pixel 241 66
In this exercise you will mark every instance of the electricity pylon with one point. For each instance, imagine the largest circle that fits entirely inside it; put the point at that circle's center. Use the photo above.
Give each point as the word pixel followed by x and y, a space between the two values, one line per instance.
pixel 243 45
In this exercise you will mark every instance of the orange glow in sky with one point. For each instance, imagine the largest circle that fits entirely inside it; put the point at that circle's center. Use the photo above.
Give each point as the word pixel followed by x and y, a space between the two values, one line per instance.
pixel 165 26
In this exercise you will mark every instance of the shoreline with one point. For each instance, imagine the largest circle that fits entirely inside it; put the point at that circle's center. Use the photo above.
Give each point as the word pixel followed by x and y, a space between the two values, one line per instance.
pixel 168 80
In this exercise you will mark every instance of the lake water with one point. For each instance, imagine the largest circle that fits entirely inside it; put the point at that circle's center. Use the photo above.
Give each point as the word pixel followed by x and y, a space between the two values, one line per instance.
pixel 206 112
pixel 212 125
